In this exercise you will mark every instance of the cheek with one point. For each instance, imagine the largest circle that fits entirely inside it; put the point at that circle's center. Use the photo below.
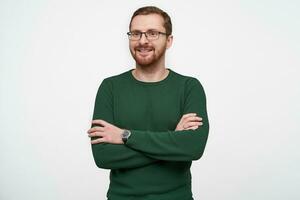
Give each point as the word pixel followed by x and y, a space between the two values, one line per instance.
pixel 159 46
pixel 132 45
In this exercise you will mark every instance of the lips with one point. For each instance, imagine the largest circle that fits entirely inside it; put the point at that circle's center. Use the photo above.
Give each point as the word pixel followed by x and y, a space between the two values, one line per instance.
pixel 144 51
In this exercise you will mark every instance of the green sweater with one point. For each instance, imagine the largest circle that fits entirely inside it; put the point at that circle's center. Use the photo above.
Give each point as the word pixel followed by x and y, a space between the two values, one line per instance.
pixel 155 162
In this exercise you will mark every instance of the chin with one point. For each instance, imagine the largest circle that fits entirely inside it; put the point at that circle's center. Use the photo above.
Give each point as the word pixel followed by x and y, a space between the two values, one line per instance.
pixel 145 62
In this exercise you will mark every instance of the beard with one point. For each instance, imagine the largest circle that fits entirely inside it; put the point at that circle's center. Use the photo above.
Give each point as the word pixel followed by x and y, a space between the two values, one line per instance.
pixel 145 55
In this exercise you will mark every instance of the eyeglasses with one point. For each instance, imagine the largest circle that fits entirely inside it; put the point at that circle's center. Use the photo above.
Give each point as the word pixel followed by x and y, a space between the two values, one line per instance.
pixel 150 35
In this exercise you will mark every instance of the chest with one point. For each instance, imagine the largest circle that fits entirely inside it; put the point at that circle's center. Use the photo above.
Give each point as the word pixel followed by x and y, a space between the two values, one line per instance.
pixel 146 108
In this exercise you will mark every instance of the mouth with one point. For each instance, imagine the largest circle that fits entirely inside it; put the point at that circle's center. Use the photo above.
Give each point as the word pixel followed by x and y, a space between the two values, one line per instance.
pixel 144 51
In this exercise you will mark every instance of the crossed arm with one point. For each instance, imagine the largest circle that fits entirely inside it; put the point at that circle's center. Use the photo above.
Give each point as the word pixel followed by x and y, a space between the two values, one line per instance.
pixel 186 143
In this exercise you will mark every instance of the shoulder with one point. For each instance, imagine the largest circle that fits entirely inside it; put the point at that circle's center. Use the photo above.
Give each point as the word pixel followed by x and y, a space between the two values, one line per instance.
pixel 186 80
pixel 191 86
pixel 110 81
pixel 118 77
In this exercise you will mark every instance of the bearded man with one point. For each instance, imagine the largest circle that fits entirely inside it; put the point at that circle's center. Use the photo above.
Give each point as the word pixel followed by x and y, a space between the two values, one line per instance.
pixel 149 122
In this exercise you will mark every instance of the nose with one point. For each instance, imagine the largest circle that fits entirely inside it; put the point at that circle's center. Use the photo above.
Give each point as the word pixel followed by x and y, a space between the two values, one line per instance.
pixel 143 39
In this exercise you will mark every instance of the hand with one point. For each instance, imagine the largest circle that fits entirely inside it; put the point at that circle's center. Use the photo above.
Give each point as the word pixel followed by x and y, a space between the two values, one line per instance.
pixel 189 121
pixel 107 132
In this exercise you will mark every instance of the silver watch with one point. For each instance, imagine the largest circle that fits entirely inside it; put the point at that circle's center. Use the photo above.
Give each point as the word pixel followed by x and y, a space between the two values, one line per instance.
pixel 125 135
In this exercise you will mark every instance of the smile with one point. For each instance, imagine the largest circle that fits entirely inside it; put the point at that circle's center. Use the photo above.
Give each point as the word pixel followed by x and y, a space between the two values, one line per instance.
pixel 144 50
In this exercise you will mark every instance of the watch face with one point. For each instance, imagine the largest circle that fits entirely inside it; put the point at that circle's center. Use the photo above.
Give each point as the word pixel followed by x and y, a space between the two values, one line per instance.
pixel 125 133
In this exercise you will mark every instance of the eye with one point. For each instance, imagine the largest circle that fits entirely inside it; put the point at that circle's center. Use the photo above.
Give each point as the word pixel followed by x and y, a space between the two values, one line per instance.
pixel 152 33
pixel 135 34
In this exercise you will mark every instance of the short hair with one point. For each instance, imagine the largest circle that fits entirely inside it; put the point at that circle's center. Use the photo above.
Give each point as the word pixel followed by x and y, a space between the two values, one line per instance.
pixel 154 10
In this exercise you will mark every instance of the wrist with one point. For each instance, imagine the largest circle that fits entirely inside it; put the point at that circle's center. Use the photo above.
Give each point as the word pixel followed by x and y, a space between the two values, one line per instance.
pixel 125 135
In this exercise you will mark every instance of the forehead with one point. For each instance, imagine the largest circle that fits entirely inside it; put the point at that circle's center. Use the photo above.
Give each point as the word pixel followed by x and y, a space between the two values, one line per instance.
pixel 146 22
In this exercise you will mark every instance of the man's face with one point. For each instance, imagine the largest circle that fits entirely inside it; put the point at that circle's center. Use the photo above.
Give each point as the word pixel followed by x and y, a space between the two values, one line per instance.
pixel 147 52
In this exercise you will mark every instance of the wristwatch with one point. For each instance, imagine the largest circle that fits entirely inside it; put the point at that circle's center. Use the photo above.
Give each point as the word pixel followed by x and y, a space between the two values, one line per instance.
pixel 125 135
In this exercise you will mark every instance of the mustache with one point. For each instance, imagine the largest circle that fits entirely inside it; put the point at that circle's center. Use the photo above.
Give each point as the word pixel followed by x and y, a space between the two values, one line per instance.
pixel 143 47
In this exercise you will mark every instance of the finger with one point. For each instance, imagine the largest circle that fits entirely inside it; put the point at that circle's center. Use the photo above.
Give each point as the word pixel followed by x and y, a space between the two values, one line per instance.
pixel 97 141
pixel 196 118
pixel 100 122
pixel 96 134
pixel 188 115
pixel 95 128
pixel 190 119
pixel 185 119
pixel 189 124
pixel 192 128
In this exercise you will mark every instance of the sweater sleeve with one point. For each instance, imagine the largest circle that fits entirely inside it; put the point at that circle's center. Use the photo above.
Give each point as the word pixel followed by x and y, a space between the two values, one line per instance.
pixel 185 145
pixel 113 156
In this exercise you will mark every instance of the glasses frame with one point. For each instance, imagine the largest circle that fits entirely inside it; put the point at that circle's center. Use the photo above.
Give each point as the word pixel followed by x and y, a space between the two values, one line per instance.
pixel 145 33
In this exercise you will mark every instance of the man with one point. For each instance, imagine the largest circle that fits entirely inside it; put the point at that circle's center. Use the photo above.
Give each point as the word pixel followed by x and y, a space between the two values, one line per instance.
pixel 146 124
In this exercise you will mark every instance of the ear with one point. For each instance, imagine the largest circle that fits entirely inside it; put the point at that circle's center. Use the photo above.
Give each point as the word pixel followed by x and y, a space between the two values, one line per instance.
pixel 169 41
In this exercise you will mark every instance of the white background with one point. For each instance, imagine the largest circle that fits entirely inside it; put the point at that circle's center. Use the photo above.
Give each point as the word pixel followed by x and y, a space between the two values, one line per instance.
pixel 54 55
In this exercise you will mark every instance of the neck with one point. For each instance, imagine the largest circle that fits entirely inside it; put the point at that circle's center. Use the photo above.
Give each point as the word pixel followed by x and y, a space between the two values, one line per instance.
pixel 151 73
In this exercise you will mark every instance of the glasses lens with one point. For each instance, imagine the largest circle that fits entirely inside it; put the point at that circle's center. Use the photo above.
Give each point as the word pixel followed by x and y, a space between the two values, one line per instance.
pixel 135 35
pixel 152 35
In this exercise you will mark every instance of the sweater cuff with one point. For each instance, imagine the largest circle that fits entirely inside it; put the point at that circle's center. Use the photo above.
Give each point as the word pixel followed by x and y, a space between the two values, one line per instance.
pixel 139 139
pixel 134 137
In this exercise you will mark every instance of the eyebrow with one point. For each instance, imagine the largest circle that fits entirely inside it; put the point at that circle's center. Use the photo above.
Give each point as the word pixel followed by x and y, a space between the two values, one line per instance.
pixel 135 30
